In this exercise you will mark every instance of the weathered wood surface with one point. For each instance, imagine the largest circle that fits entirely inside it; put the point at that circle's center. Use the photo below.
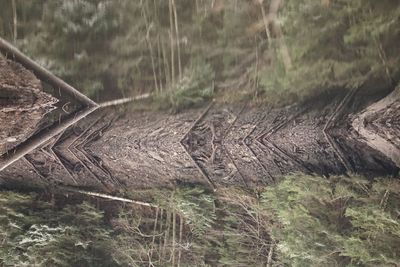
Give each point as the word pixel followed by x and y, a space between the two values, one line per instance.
pixel 221 145
pixel 379 125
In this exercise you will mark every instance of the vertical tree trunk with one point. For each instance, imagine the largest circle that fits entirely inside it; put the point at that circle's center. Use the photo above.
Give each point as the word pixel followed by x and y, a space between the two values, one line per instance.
pixel 273 13
pixel 171 35
pixel 256 69
pixel 180 240
pixel 266 22
pixel 159 63
pixel 150 46
pixel 177 40
pixel 167 70
pixel 15 20
pixel 173 237
pixel 166 237
pixel 154 236
pixel 272 19
pixel 160 242
pixel 161 78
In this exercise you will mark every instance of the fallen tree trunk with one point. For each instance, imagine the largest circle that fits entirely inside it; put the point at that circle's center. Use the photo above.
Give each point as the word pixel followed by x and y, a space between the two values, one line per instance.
pixel 218 146
pixel 379 126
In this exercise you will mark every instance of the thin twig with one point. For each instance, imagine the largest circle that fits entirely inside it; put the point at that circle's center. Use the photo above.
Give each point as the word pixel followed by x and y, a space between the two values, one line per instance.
pixel 105 196
pixel 122 101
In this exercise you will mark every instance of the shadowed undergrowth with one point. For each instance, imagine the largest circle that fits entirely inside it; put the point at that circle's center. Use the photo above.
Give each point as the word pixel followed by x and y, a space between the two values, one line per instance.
pixel 302 221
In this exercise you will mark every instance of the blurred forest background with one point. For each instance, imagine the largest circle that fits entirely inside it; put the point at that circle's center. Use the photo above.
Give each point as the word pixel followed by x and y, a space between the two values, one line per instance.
pixel 186 52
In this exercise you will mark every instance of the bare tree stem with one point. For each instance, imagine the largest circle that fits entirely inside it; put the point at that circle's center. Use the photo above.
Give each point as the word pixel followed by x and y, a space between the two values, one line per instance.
pixel 177 39
pixel 171 35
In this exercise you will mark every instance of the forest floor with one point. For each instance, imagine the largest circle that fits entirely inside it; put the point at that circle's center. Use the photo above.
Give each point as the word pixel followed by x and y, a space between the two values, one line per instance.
pixel 222 144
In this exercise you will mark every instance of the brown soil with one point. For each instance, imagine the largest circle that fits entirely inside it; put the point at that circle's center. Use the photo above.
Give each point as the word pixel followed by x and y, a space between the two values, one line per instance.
pixel 22 104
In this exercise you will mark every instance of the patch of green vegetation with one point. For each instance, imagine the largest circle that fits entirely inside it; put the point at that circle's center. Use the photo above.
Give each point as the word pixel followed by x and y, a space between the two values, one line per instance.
pixel 131 47
pixel 35 233
pixel 339 44
pixel 301 221
pixel 220 229
pixel 336 222
pixel 195 88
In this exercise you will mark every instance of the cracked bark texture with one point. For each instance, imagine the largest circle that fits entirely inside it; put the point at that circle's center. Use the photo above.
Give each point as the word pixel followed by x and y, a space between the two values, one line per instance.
pixel 379 125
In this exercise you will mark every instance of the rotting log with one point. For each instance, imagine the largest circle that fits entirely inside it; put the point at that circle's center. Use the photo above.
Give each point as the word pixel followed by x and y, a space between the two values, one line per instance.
pixel 376 123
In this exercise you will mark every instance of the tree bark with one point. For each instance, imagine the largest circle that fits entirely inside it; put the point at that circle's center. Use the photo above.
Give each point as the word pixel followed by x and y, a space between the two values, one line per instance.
pixel 15 20
pixel 274 8
pixel 167 69
pixel 171 35
pixel 379 126
pixel 148 29
pixel 177 40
